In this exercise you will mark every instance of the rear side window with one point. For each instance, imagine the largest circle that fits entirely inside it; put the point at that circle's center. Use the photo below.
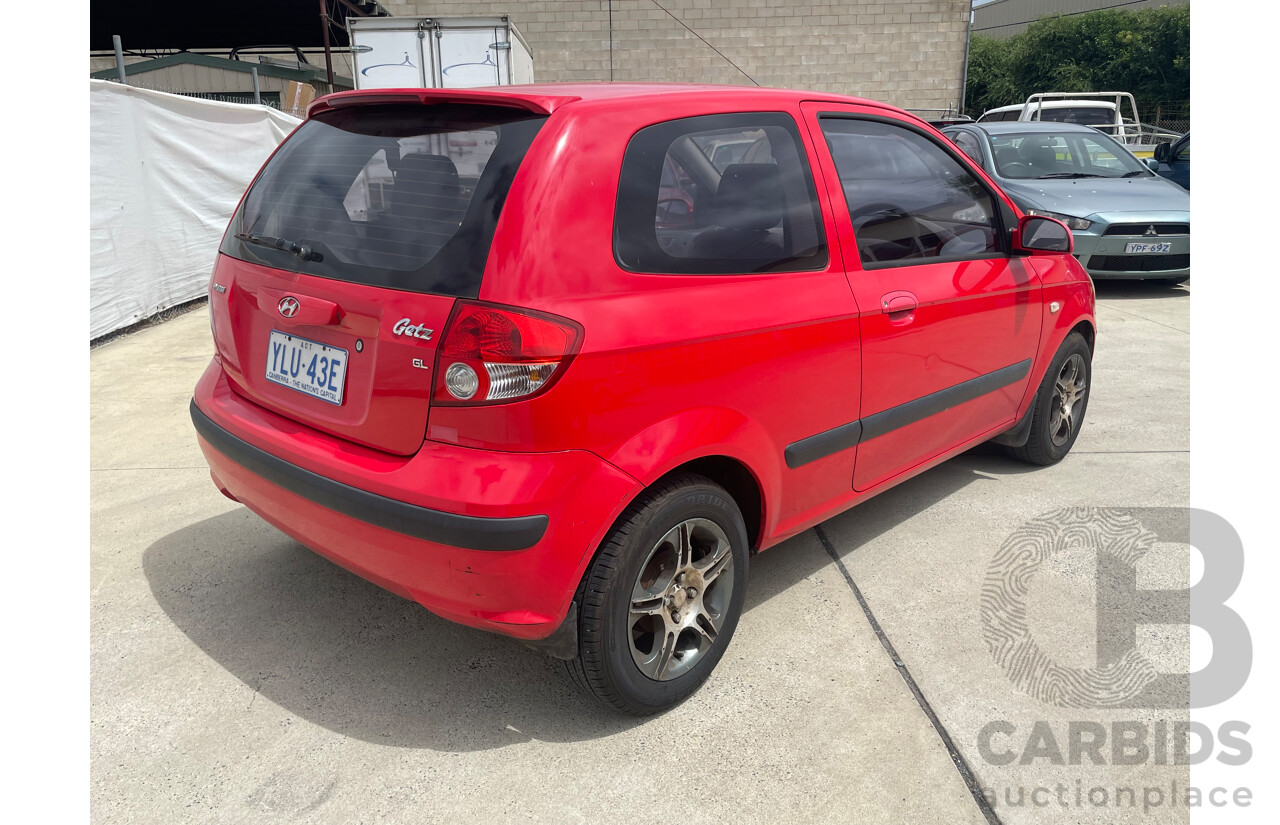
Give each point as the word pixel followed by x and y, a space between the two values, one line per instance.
pixel 719 194
pixel 398 196
pixel 968 144
pixel 909 200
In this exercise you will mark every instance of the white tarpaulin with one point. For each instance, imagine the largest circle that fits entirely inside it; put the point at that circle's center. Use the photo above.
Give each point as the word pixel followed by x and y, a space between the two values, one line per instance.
pixel 165 174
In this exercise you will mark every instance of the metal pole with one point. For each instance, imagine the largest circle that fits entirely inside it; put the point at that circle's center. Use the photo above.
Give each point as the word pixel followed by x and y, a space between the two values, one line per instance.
pixel 115 40
pixel 257 92
pixel 328 58
pixel 964 78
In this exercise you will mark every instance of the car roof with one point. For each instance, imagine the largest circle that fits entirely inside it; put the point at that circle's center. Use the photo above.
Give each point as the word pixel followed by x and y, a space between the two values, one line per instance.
pixel 1056 104
pixel 1028 127
pixel 546 97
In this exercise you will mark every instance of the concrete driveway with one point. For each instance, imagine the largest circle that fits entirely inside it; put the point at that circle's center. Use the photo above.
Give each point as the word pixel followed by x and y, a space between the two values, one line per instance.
pixel 237 677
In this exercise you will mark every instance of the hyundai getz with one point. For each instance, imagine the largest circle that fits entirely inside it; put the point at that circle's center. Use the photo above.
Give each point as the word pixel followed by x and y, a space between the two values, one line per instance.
pixel 555 361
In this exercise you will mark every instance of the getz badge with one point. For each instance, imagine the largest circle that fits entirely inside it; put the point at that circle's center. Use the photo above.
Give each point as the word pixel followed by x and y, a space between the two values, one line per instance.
pixel 406 327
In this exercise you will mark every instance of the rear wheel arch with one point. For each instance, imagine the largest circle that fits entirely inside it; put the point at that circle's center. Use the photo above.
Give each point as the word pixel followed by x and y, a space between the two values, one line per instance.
pixel 719 443
pixel 738 481
pixel 733 475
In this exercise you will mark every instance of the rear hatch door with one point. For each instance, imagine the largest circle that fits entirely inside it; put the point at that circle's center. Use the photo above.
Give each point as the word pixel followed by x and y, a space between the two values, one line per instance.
pixel 339 270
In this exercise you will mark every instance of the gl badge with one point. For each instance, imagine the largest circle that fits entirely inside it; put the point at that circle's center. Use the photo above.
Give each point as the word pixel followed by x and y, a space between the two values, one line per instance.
pixel 406 327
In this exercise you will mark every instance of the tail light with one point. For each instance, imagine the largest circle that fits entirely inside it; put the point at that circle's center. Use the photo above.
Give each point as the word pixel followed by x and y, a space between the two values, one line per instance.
pixel 491 354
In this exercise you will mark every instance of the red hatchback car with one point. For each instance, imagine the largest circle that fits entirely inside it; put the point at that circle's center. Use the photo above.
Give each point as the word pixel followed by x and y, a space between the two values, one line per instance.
pixel 554 361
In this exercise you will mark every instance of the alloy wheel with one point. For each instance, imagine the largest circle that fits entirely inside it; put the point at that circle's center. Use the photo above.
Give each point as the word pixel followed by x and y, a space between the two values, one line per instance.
pixel 680 598
pixel 1068 392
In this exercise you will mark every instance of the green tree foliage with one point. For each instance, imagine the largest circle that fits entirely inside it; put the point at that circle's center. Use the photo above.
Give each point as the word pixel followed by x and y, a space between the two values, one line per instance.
pixel 1146 52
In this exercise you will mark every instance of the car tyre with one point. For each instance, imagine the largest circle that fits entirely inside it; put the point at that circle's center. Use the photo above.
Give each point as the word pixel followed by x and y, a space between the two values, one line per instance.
pixel 660 602
pixel 1060 404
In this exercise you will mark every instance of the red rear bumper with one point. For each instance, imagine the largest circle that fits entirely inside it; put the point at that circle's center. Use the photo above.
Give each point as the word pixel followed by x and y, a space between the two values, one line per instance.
pixel 491 540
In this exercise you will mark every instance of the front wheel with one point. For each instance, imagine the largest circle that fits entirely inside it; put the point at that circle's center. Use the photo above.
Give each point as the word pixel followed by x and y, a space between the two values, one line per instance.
pixel 1060 404
pixel 661 600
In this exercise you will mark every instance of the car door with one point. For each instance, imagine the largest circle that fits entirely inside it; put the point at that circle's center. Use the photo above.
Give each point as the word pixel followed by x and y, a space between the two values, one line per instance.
pixel 949 320
pixel 1178 167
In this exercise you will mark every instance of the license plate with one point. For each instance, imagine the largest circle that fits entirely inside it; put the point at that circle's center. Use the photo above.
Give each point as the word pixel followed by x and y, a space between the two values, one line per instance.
pixel 1131 248
pixel 307 366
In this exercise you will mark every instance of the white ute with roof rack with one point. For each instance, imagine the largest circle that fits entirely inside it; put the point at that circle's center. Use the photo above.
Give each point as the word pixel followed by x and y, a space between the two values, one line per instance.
pixel 1112 113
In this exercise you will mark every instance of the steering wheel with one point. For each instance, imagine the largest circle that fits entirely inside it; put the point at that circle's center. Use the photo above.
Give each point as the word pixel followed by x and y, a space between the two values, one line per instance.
pixel 1017 169
pixel 883 212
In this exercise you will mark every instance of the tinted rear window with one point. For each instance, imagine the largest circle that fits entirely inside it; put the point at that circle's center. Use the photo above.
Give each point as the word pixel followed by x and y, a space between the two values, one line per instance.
pixel 718 194
pixel 399 196
pixel 1089 116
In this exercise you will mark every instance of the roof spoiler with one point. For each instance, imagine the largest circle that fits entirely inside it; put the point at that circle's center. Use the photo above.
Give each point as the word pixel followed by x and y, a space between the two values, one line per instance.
pixel 540 104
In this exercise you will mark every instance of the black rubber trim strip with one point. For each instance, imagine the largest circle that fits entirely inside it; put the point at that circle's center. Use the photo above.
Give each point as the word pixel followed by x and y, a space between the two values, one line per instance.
pixel 874 426
pixel 823 444
pixel 849 435
pixel 467 532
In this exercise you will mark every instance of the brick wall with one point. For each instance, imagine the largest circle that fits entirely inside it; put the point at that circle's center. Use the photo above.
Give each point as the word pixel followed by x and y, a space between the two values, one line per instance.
pixel 910 54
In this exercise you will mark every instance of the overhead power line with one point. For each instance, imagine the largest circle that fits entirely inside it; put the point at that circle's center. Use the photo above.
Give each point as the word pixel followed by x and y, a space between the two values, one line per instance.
pixel 703 39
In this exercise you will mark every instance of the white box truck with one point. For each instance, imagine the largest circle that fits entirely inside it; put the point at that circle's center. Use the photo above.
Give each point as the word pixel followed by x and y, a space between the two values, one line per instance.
pixel 438 52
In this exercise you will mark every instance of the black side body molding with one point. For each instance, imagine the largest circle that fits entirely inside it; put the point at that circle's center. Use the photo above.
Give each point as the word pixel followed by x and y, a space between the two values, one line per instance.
pixel 873 426
pixel 900 416
pixel 467 532
pixel 823 444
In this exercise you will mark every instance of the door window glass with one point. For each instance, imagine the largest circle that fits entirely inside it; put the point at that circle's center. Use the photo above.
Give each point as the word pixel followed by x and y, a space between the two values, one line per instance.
pixel 909 199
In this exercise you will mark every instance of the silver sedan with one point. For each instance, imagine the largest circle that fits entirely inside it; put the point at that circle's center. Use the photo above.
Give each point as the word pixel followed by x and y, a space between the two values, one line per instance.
pixel 1128 222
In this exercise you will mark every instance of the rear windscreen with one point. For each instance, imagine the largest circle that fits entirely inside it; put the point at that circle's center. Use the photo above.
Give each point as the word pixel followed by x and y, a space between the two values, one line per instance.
pixel 398 196
pixel 1089 116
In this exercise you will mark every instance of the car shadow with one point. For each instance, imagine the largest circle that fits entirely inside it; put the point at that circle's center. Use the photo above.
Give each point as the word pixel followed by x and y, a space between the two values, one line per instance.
pixel 1128 290
pixel 873 517
pixel 344 654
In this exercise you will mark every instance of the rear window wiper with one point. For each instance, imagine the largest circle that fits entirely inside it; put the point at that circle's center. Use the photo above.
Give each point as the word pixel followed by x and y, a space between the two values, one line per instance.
pixel 1072 175
pixel 303 251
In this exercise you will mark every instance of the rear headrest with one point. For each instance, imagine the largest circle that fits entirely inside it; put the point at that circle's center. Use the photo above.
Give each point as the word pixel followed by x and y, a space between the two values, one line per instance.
pixel 434 172
pixel 749 197
pixel 1038 154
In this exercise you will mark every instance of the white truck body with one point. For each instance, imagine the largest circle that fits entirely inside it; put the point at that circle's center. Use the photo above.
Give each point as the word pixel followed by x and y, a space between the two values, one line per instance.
pixel 1104 111
pixel 438 52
